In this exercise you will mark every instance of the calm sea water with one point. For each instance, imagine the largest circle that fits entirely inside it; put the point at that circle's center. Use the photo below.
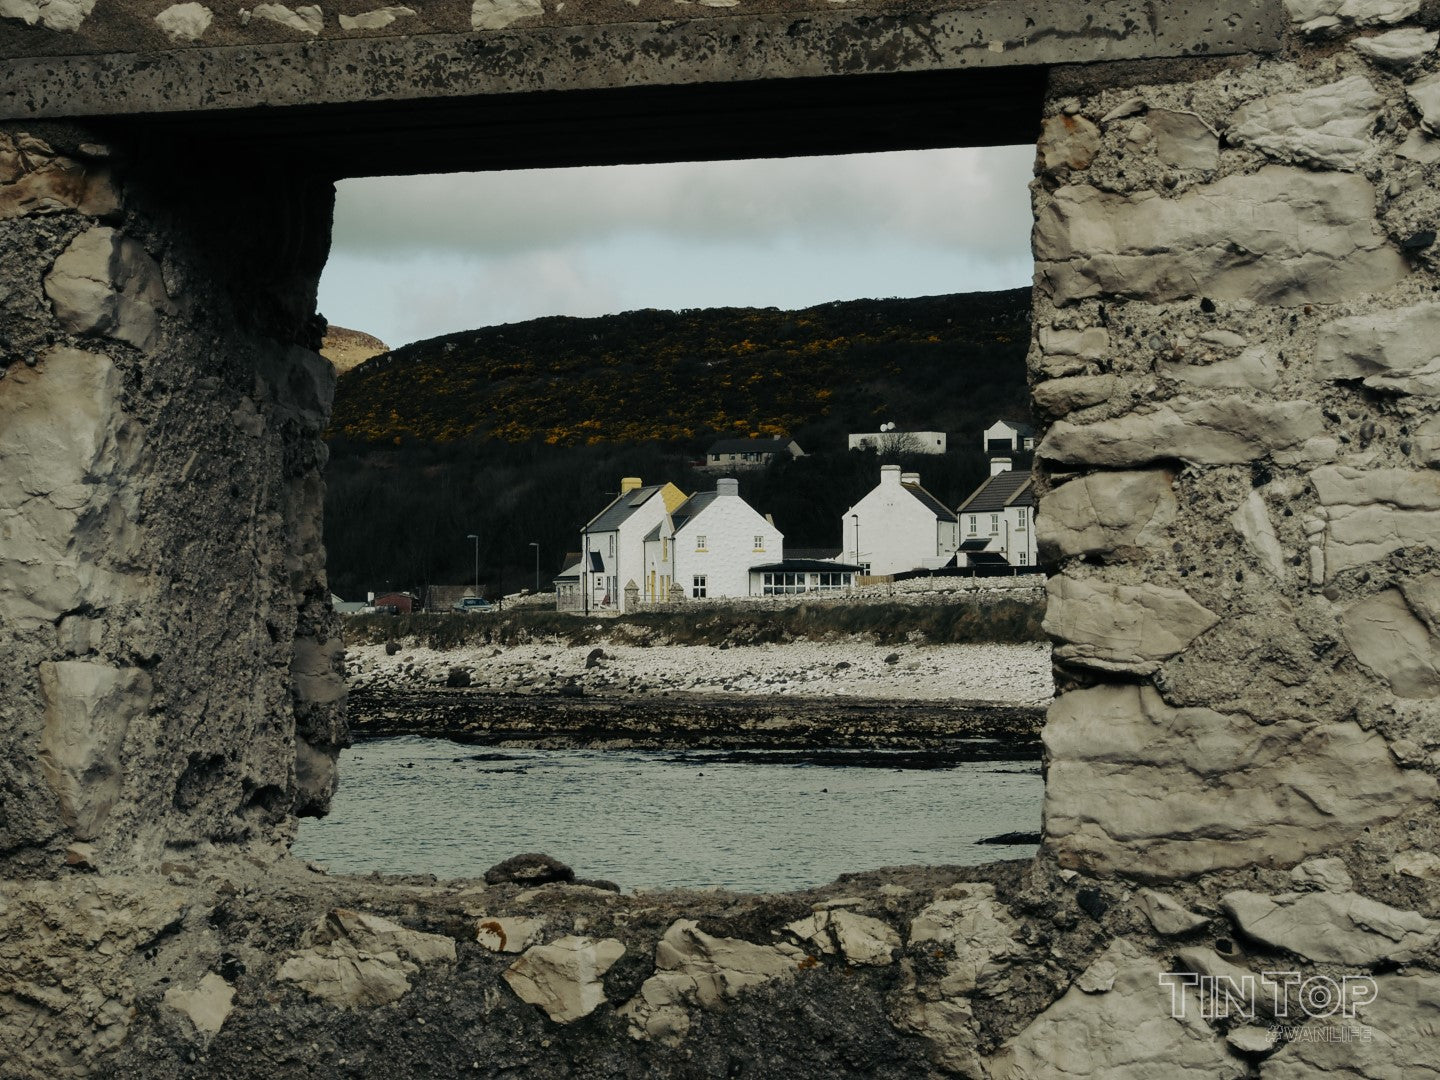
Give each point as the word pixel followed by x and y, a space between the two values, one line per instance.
pixel 660 818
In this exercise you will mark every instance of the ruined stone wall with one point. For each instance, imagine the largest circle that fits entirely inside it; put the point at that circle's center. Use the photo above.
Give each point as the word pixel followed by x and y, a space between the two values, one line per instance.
pixel 170 670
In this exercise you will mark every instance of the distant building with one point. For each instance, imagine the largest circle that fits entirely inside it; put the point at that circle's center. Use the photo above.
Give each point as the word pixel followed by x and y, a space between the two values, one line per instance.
pixel 898 526
pixel 997 521
pixel 612 548
pixel 793 576
pixel 1008 437
pixel 731 454
pixel 900 442
pixel 705 548
pixel 398 603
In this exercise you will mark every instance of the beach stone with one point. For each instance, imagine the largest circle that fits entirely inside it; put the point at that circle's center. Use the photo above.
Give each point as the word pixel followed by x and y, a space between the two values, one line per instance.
pixel 1332 927
pixel 1059 397
pixel 1397 49
pixel 1328 125
pixel 105 283
pixel 860 939
pixel 1127 1032
pixel 66 15
pixel 1424 94
pixel 1424 865
pixel 1105 513
pixel 1329 874
pixel 511 934
pixel 532 868
pixel 1325 16
pixel 1137 787
pixel 498 14
pixel 1390 641
pixel 1255 368
pixel 1120 627
pixel 1167 915
pixel 564 977
pixel 185 22
pixel 36 180
pixel 1181 140
pixel 308 19
pixel 1282 235
pixel 206 1006
pixel 1212 431
pixel 377 19
pixel 1252 522
pixel 353 958
pixel 1067 142
pixel 1403 340
pixel 1069 352
pixel 1371 513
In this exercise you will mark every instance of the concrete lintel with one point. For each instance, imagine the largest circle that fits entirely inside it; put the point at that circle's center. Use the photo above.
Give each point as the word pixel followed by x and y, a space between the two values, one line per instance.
pixel 340 71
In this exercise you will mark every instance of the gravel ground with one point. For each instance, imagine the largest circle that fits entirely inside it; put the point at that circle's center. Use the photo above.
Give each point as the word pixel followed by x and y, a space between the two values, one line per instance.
pixel 1018 674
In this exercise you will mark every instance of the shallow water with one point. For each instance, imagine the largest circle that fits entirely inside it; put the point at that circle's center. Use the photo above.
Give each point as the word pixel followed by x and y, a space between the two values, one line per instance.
pixel 657 818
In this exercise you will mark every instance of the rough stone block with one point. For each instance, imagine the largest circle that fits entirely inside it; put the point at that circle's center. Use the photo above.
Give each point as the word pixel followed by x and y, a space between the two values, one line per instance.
pixel 1060 397
pixel 1142 789
pixel 1325 16
pixel 563 978
pixel 1401 342
pixel 1121 627
pixel 1424 94
pixel 1069 352
pixel 1252 522
pixel 1167 915
pixel 64 15
pixel 36 180
pixel 1390 641
pixel 303 20
pixel 1332 927
pixel 1329 126
pixel 377 19
pixel 106 283
pixel 1282 236
pixel 185 22
pixel 1216 431
pixel 1067 142
pixel 1105 513
pixel 1397 49
pixel 1255 368
pixel 1370 513
pixel 1181 140
pixel 498 14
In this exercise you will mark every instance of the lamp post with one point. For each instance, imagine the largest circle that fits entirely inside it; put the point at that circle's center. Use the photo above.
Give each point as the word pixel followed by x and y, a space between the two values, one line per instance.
pixel 536 546
pixel 856 519
pixel 474 537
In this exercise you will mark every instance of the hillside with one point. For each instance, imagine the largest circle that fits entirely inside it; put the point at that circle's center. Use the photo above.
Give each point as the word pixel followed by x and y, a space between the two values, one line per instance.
pixel 517 434
pixel 348 349
pixel 682 377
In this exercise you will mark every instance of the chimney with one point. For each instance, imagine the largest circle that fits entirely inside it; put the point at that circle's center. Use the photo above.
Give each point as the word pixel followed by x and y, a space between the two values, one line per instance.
pixel 999 465
pixel 910 478
pixel 889 475
pixel 727 487
pixel 630 483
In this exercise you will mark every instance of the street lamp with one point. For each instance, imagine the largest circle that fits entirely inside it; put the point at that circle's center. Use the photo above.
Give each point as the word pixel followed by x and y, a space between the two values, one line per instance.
pixel 472 536
pixel 856 519
pixel 536 546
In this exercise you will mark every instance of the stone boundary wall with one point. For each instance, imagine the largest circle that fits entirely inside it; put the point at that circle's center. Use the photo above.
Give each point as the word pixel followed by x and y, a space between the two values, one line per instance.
pixel 917 591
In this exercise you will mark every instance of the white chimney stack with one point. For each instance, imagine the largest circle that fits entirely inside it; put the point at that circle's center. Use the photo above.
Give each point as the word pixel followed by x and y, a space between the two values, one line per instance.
pixel 890 475
pixel 999 465
pixel 910 478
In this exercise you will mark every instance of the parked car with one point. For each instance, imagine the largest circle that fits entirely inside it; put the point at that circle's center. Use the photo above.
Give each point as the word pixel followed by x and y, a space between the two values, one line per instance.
pixel 475 605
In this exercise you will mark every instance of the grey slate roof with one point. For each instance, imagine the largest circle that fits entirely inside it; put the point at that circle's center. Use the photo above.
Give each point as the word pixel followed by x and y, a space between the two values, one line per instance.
pixel 931 503
pixel 999 491
pixel 1025 430
pixel 621 508
pixel 690 507
pixel 801 565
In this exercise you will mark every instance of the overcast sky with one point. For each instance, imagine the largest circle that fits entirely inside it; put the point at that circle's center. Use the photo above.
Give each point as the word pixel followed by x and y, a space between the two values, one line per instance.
pixel 418 256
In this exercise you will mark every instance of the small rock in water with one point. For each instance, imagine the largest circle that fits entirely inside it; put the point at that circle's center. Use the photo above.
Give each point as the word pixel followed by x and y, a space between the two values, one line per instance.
pixel 1012 838
pixel 531 868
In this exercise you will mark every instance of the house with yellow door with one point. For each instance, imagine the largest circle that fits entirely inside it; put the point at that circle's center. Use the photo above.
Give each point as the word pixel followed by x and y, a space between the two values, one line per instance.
pixel 706 547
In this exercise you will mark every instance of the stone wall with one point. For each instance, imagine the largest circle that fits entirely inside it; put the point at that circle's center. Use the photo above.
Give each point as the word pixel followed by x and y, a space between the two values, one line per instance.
pixel 170 671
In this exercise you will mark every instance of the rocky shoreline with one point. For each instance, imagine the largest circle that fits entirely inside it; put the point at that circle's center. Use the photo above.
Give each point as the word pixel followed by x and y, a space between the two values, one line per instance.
pixel 684 721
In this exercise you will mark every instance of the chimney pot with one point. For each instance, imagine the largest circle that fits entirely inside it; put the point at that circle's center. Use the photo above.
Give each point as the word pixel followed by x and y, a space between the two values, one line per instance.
pixel 728 486
pixel 630 483
pixel 999 465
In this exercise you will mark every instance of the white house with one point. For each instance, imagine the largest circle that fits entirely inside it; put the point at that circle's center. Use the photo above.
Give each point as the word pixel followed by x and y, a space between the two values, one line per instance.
pixel 898 526
pixel 997 521
pixel 899 442
pixel 732 454
pixel 612 544
pixel 706 547
pixel 1008 437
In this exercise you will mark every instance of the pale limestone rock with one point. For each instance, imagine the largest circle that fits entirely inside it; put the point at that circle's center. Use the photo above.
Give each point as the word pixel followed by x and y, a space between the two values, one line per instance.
pixel 1427 442
pixel 1420 147
pixel 36 180
pixel 1398 49
pixel 1067 142
pixel 351 958
pixel 695 969
pixel 1222 339
pixel 1060 397
pixel 1395 1039
pixel 1217 431
pixel 105 283
pixel 511 934
pixel 1068 352
pixel 563 978
pixel 1323 16
pixel 58 428
pixel 1391 642
pixel 498 14
pixel 1252 522
pixel 185 22
pixel 89 707
pixel 1205 961
pixel 52 14
pixel 1137 787
pixel 206 1005
pixel 1251 1039
pixel 1279 236
pixel 1331 927
pixel 1424 865
pixel 1104 513
pixel 1329 874
pixel 1322 125
pixel 1125 1033
pixel 1424 94
pixel 1098 978
pixel 1182 140
pixel 1114 627
pixel 860 939
pixel 1370 513
pixel 305 20
pixel 1398 342
pixel 1167 915
pixel 316 670
pixel 1423 596
pixel 1342 485
pixel 1255 368
pixel 377 19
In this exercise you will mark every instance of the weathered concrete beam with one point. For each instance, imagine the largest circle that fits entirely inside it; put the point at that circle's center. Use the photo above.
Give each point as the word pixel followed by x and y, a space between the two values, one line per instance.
pixel 784 45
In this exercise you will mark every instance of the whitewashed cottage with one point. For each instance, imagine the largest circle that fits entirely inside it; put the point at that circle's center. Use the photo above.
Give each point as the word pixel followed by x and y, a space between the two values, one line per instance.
pixel 612 544
pixel 898 526
pixel 705 547
pixel 1008 437
pixel 997 521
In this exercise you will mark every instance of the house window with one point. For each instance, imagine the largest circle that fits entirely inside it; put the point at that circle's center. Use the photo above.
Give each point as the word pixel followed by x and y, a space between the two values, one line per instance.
pixel 994 524
pixel 972 525
pixel 759 543
pixel 700 543
pixel 664 548
pixel 829 581
pixel 1024 558
pixel 1020 527
pixel 612 545
pixel 782 584
pixel 697 589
